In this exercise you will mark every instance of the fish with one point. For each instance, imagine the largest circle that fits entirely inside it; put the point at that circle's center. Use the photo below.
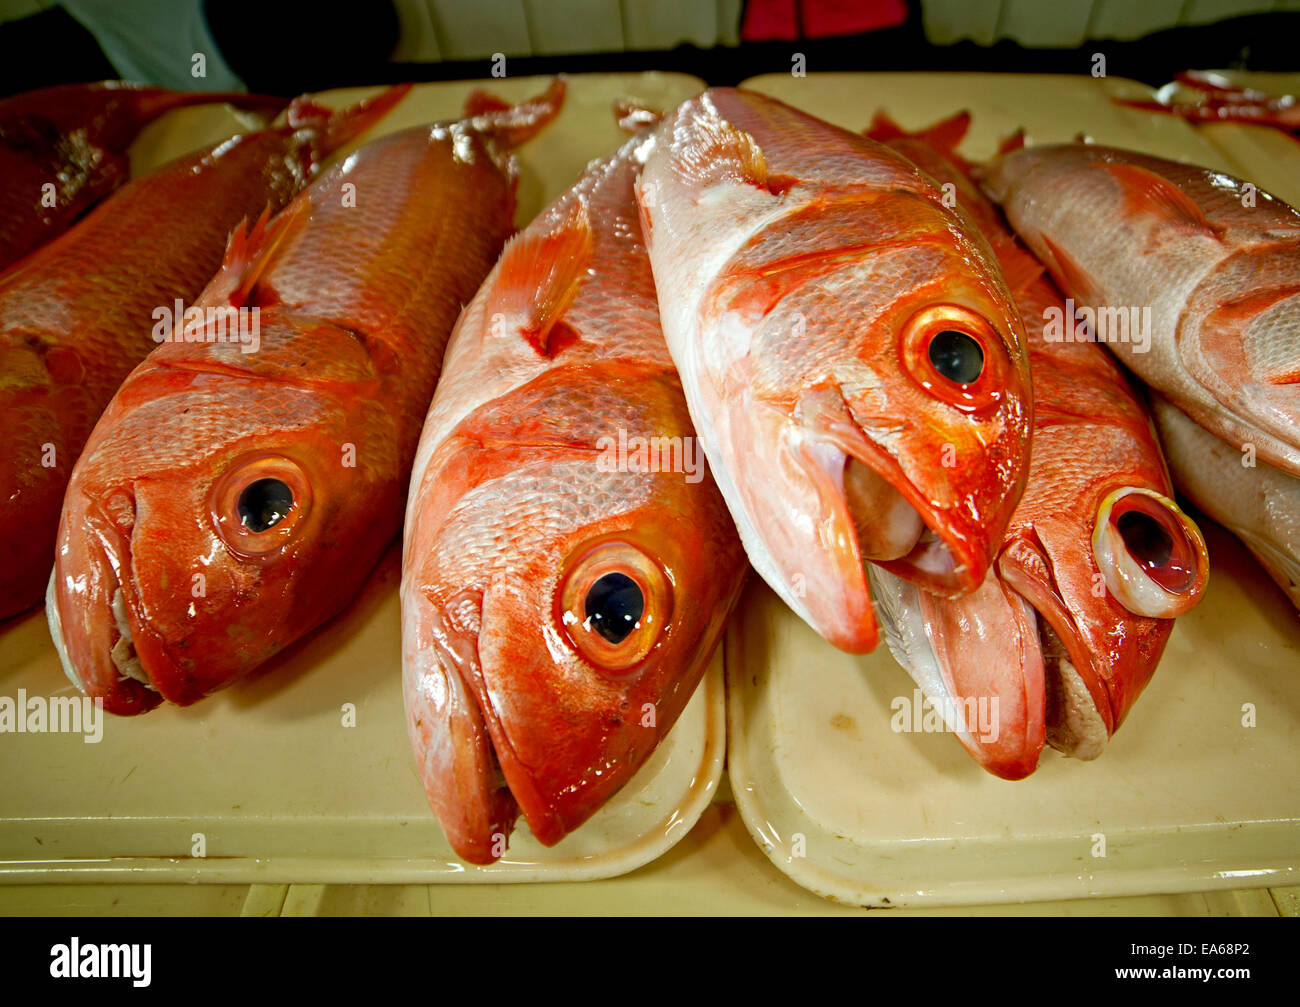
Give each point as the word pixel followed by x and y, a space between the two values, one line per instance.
pixel 77 314
pixel 852 359
pixel 568 565
pixel 229 502
pixel 1258 503
pixel 1218 100
pixel 1069 625
pixel 64 148
pixel 1191 276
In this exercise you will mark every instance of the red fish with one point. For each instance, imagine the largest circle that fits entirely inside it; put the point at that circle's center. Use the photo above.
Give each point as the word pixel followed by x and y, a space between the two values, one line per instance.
pixel 64 148
pixel 1066 631
pixel 78 314
pixel 568 564
pixel 235 495
pixel 1220 101
pixel 853 361
pixel 1191 276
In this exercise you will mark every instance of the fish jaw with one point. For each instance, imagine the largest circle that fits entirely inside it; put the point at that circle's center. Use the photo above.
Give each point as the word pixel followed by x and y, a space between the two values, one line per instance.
pixel 1098 655
pixel 93 620
pixel 978 661
pixel 457 762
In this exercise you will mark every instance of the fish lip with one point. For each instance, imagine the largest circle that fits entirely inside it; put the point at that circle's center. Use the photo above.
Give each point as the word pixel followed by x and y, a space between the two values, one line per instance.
pixel 934 673
pixel 517 793
pixel 544 822
pixel 968 564
pixel 121 694
pixel 1016 564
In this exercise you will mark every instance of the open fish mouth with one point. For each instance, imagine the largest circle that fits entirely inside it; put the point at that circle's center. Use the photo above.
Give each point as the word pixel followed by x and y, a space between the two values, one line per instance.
pixel 1006 667
pixel 895 523
pixel 122 653
pixel 979 663
pixel 98 648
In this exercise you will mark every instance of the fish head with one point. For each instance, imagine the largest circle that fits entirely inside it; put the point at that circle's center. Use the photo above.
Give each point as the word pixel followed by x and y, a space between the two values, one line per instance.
pixel 1057 644
pixel 219 513
pixel 1107 584
pixel 883 410
pixel 563 590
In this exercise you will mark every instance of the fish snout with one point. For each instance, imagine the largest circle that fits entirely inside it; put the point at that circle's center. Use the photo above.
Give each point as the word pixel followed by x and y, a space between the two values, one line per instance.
pixel 1151 555
pixel 91 611
pixel 458 766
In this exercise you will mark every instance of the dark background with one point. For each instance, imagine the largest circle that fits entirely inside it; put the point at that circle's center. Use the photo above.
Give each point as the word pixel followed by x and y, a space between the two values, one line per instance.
pixel 279 47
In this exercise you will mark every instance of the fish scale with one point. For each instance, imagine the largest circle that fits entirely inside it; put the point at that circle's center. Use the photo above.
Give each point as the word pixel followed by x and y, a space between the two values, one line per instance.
pixel 1063 660
pixel 354 305
pixel 804 273
pixel 1199 240
pixel 514 704
pixel 79 312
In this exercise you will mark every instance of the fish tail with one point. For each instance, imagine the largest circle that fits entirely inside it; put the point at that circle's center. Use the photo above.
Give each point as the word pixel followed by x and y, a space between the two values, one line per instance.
pixel 511 125
pixel 336 128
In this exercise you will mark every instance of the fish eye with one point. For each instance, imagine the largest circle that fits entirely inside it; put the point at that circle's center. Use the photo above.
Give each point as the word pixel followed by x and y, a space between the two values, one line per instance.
pixel 614 603
pixel 1151 555
pixel 259 504
pixel 614 606
pixel 957 356
pixel 264 504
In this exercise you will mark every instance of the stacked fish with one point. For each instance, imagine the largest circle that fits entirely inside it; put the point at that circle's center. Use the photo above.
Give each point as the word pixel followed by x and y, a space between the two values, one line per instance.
pixel 861 357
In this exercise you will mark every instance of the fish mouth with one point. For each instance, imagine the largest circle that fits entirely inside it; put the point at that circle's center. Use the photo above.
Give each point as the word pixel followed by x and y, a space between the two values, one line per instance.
pixel 1079 714
pixel 476 785
pixel 1010 651
pixel 95 626
pixel 979 664
pixel 894 524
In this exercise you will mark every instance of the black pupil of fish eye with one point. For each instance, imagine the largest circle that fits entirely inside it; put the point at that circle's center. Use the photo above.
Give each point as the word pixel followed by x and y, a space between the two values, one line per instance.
pixel 956 356
pixel 264 504
pixel 1146 539
pixel 614 605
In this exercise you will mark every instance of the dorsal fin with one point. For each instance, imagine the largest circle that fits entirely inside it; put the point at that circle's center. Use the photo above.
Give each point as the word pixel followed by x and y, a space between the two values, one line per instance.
pixel 339 127
pixel 719 142
pixel 1012 142
pixel 944 136
pixel 539 275
pixel 1156 194
pixel 511 124
pixel 883 128
pixel 249 252
pixel 947 134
